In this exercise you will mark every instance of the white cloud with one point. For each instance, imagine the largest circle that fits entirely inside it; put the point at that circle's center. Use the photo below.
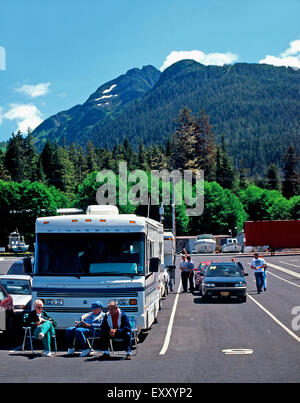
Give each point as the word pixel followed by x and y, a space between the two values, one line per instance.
pixel 35 90
pixel 26 115
pixel 218 59
pixel 293 49
pixel 289 58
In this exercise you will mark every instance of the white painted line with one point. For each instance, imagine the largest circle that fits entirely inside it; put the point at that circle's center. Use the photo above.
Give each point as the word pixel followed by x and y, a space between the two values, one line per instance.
pixel 276 320
pixel 290 264
pixel 292 273
pixel 283 279
pixel 238 351
pixel 171 321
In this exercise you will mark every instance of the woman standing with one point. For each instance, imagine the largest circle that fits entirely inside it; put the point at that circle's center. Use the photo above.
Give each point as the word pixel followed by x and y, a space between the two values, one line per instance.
pixel 42 325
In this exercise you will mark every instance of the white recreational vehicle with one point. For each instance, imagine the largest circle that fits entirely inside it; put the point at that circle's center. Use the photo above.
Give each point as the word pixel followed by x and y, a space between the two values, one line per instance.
pixel 98 255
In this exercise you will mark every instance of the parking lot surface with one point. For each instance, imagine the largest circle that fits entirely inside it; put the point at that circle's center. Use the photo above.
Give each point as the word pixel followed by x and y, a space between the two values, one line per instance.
pixel 192 341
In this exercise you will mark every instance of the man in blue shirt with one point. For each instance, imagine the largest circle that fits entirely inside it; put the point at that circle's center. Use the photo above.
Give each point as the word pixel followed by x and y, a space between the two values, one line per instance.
pixel 258 265
pixel 84 329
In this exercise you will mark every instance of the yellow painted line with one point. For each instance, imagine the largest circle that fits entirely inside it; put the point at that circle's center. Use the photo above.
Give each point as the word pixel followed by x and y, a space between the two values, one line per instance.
pixel 275 319
pixel 170 326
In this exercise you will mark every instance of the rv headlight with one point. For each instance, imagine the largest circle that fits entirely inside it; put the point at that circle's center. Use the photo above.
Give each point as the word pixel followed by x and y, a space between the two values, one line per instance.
pixel 122 301
pixel 54 301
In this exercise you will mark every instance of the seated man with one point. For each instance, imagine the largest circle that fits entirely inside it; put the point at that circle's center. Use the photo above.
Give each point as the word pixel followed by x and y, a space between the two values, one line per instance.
pixel 85 328
pixel 115 325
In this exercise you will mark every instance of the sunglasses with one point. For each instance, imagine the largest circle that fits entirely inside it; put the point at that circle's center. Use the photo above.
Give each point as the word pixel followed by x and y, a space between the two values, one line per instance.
pixel 39 307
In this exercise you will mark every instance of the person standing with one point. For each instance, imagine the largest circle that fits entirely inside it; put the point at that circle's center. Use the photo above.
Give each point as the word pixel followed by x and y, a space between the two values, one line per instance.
pixel 184 273
pixel 190 265
pixel 258 264
pixel 265 275
pixel 240 264
pixel 42 325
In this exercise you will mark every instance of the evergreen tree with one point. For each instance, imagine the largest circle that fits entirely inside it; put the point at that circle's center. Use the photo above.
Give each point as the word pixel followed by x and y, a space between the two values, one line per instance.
pixel 184 141
pixel 15 161
pixel 91 157
pixel 31 158
pixel 142 162
pixel 4 174
pixel 205 148
pixel 273 178
pixel 47 161
pixel 225 174
pixel 291 181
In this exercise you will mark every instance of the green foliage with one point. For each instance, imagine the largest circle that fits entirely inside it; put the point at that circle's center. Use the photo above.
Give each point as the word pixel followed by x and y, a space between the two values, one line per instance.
pixel 20 205
pixel 222 211
pixel 295 207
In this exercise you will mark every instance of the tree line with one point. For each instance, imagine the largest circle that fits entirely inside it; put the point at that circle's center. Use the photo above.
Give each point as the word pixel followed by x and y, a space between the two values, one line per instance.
pixel 36 183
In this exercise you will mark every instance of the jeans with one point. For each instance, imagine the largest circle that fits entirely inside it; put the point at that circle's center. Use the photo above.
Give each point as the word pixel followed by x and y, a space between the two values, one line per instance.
pixel 80 334
pixel 48 330
pixel 265 279
pixel 259 277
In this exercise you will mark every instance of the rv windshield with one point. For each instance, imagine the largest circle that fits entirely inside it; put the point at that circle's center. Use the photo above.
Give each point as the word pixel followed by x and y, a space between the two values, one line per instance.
pixel 90 254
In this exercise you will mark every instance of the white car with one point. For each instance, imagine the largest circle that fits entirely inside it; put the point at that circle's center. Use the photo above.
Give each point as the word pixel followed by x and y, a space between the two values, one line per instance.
pixel 19 287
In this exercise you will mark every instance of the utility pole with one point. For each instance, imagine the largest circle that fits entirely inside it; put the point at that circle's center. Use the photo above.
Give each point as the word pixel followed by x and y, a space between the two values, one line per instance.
pixel 173 208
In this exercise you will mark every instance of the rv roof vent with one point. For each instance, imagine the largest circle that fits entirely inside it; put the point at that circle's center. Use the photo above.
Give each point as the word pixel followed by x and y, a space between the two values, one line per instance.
pixel 102 210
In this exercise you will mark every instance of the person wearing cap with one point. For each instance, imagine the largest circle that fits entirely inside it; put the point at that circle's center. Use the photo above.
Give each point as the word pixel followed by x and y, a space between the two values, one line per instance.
pixel 258 265
pixel 84 329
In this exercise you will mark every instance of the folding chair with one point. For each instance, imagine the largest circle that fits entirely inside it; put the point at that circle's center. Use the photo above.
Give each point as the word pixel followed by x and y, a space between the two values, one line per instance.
pixel 28 335
pixel 134 336
pixel 96 335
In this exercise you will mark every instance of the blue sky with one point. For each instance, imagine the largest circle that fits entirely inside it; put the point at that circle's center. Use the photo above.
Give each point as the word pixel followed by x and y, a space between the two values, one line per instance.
pixel 55 53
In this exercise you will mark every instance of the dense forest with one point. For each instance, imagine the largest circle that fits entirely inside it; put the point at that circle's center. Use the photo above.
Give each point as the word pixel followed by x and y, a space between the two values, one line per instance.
pixel 254 106
pixel 35 183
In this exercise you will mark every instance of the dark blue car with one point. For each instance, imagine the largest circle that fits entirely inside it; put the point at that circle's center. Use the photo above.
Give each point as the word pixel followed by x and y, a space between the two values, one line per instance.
pixel 224 280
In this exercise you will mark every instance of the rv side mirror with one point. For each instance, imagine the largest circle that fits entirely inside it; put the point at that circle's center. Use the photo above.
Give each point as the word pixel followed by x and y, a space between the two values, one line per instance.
pixel 27 265
pixel 154 264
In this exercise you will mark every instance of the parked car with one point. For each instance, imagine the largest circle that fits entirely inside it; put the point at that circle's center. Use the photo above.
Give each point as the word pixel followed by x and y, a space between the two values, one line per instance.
pixel 199 273
pixel 19 288
pixel 224 280
pixel 6 311
pixel 18 267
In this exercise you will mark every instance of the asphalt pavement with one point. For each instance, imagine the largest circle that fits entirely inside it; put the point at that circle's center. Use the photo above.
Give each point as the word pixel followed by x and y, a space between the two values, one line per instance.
pixel 192 342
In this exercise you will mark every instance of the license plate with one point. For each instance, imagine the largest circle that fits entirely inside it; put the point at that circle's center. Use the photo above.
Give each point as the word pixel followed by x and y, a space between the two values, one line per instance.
pixel 224 293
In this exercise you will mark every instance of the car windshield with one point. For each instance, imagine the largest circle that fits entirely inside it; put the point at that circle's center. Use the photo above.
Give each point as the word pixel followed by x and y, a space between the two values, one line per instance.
pixel 90 254
pixel 16 268
pixel 16 286
pixel 223 271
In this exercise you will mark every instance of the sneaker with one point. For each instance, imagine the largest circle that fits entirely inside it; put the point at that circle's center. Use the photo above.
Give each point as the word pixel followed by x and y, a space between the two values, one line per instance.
pixel 265 289
pixel 71 351
pixel 128 356
pixel 85 353
pixel 47 353
pixel 41 336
